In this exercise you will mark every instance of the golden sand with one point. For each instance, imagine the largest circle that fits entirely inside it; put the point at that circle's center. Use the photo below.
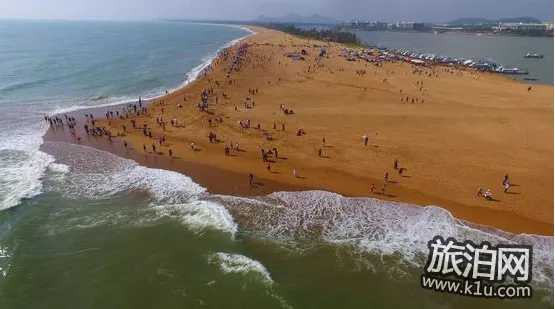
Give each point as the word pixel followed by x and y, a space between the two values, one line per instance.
pixel 465 131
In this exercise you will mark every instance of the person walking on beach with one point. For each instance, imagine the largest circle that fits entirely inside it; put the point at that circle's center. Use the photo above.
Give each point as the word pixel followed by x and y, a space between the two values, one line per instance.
pixel 251 177
pixel 144 147
pixel 480 192
pixel 506 178
pixel 386 177
pixel 507 186
pixel 170 152
pixel 365 137
pixel 384 188
pixel 395 164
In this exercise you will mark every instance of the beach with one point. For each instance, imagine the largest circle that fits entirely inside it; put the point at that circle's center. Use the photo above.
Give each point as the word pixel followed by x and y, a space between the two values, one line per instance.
pixel 465 130
pixel 88 217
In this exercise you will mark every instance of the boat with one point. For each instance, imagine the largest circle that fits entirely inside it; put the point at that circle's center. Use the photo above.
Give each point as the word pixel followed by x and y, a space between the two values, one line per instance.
pixel 530 78
pixel 529 55
pixel 503 70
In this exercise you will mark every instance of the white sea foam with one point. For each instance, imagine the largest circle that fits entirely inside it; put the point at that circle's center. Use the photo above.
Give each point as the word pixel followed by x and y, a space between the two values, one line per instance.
pixel 240 264
pixel 372 226
pixel 200 215
pixel 22 164
pixel 99 174
pixel 58 168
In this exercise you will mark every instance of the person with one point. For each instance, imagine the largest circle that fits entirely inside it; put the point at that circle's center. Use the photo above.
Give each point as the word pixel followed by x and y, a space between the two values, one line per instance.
pixel 386 177
pixel 506 178
pixel 507 186
pixel 365 137
pixel 193 145
pixel 395 164
pixel 268 166
pixel 320 152
pixel 372 188
pixel 480 192
pixel 125 144
pixel 384 188
pixel 144 147
pixel 295 172
pixel 488 195
pixel 170 152
pixel 251 177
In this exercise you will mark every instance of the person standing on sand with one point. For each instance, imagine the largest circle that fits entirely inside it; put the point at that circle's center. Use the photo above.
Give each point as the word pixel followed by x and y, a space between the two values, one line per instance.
pixel 295 172
pixel 384 188
pixel 395 164
pixel 365 137
pixel 251 177
pixel 320 152
pixel 507 186
pixel 506 178
pixel 144 147
pixel 386 177
pixel 170 152
pixel 480 192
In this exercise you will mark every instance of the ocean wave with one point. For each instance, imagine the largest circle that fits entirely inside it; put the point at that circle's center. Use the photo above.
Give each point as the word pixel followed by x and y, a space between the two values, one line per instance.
pixel 371 226
pixel 97 174
pixel 231 263
pixel 22 164
pixel 200 215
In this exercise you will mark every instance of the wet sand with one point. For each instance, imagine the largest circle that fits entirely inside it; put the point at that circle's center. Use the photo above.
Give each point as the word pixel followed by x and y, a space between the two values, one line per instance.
pixel 471 129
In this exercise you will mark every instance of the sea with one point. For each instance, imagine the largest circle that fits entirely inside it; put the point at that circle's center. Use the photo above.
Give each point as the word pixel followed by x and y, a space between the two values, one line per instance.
pixel 508 51
pixel 83 228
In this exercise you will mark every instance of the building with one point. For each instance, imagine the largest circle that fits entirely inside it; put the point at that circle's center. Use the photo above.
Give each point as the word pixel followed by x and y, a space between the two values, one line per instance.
pixel 523 27
pixel 404 25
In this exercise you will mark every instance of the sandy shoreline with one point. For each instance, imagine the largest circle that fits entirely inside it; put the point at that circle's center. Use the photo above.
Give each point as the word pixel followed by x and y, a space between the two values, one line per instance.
pixel 470 130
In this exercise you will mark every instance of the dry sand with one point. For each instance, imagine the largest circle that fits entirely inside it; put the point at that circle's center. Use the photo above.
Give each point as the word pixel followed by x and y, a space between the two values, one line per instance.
pixel 471 129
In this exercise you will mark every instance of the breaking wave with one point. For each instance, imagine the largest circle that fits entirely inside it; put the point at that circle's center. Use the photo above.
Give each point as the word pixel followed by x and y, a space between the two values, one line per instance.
pixel 240 264
pixel 371 226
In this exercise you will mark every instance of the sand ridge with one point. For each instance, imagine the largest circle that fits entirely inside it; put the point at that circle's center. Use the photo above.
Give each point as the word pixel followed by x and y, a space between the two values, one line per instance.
pixel 465 130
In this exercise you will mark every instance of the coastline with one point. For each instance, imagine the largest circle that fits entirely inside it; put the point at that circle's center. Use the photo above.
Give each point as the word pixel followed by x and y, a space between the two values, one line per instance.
pixel 231 178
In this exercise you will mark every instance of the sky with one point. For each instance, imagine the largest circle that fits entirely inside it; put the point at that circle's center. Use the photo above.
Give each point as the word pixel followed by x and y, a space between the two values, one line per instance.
pixel 382 10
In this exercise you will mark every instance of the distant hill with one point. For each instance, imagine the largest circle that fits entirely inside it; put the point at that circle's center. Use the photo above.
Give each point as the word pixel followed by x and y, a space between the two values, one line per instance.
pixel 297 19
pixel 484 21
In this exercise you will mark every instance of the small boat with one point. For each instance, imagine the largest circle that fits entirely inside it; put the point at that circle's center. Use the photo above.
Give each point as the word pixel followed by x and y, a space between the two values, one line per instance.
pixel 529 55
pixel 503 70
pixel 530 78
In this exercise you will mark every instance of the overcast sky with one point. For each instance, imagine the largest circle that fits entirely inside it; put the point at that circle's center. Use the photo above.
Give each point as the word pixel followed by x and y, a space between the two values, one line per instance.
pixel 383 10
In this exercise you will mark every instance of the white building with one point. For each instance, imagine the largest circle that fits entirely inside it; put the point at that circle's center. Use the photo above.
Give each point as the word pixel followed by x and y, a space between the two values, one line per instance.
pixel 405 25
pixel 524 26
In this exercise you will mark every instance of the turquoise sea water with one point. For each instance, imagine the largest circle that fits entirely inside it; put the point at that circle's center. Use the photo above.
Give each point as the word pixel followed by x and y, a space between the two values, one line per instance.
pixel 82 228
